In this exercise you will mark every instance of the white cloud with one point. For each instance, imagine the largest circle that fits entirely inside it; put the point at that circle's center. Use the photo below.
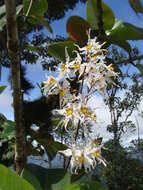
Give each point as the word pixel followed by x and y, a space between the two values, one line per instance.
pixel 103 115
pixel 5 103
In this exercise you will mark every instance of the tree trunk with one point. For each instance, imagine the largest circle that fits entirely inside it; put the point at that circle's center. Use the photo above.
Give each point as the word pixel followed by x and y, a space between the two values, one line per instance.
pixel 13 50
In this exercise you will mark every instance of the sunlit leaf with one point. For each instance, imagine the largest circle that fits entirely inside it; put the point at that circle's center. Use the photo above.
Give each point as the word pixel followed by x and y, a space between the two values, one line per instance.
pixel 3 15
pixel 2 88
pixel 57 49
pixel 125 31
pixel 8 130
pixel 11 181
pixel 77 29
pixel 92 15
pixel 39 7
pixel 2 11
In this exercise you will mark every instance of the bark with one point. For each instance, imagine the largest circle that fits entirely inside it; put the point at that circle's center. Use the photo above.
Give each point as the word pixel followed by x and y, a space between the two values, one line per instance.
pixel 13 50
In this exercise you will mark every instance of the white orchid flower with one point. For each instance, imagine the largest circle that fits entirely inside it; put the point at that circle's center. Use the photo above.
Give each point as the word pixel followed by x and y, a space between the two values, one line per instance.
pixel 79 158
pixel 51 85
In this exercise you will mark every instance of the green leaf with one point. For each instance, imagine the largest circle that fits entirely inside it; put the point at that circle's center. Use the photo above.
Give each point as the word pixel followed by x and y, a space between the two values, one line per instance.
pixel 92 15
pixel 28 176
pixel 51 146
pixel 19 9
pixel 122 43
pixel 2 118
pixel 77 29
pixel 52 149
pixel 125 31
pixel 85 185
pixel 35 19
pixel 2 22
pixel 57 49
pixel 46 177
pixel 140 67
pixel 32 150
pixel 3 15
pixel 2 11
pixel 39 7
pixel 11 181
pixel 63 183
pixel 8 130
pixel 30 47
pixel 2 88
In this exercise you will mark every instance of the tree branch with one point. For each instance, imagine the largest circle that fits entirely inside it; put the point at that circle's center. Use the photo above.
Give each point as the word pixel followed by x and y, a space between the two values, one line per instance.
pixel 13 50
pixel 130 59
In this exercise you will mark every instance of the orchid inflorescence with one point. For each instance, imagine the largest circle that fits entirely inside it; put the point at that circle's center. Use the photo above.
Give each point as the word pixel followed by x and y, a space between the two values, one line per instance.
pixel 89 71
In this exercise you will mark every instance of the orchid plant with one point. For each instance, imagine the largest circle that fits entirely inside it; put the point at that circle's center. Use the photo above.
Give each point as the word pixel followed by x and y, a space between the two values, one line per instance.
pixel 92 73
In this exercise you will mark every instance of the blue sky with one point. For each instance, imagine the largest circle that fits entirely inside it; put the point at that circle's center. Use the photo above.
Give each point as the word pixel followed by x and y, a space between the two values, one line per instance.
pixel 122 11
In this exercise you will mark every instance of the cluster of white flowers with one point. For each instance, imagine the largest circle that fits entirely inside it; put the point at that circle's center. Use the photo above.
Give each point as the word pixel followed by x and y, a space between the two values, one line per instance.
pixel 90 71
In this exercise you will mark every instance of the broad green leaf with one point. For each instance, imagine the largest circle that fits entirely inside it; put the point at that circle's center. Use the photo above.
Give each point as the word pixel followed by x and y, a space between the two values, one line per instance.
pixel 2 11
pixel 36 19
pixel 125 31
pixel 2 22
pixel 122 43
pixel 57 49
pixel 11 181
pixel 63 183
pixel 19 9
pixel 2 88
pixel 140 67
pixel 52 149
pixel 39 7
pixel 77 29
pixel 136 6
pixel 46 177
pixel 28 176
pixel 51 146
pixel 85 185
pixel 32 150
pixel 2 118
pixel 8 130
pixel 3 16
pixel 30 47
pixel 92 15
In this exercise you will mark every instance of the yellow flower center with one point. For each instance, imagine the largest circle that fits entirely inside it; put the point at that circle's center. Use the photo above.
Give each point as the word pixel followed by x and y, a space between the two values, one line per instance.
pixel 96 142
pixel 73 153
pixel 63 67
pixel 110 67
pixel 94 57
pixel 77 66
pixel 80 159
pixel 96 153
pixel 52 81
pixel 69 111
pixel 83 110
pixel 61 92
pixel 89 113
pixel 94 117
pixel 88 47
